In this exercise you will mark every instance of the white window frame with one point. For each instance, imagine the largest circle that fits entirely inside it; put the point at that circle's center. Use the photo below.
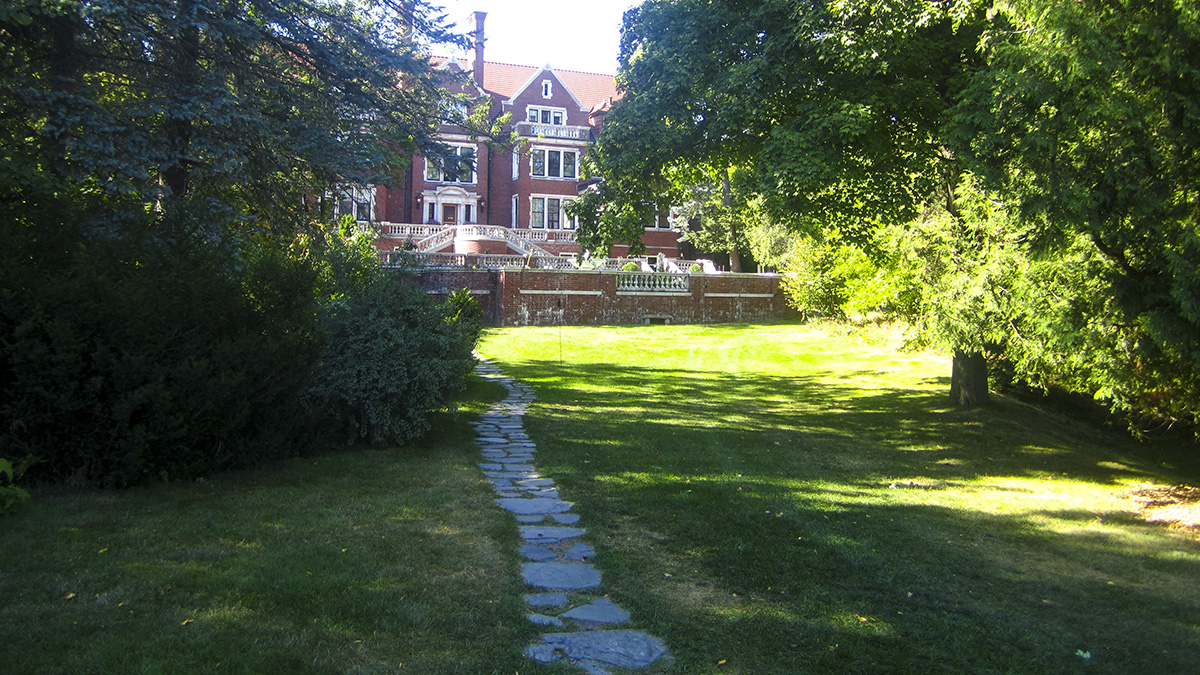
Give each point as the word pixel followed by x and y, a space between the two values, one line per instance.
pixel 547 89
pixel 434 174
pixel 355 200
pixel 540 114
pixel 564 222
pixel 544 152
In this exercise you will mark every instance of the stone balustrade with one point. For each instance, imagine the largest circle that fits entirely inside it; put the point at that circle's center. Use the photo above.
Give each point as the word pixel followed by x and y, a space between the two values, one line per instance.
pixel 640 282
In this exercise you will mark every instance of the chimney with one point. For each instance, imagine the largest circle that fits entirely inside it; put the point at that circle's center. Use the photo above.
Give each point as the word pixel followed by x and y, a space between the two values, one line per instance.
pixel 475 29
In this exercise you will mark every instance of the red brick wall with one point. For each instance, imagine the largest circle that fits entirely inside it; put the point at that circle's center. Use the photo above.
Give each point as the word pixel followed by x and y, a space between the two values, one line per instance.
pixel 516 297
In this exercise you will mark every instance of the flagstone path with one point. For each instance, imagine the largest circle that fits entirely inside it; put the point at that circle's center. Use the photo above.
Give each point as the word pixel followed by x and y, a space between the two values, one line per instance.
pixel 562 582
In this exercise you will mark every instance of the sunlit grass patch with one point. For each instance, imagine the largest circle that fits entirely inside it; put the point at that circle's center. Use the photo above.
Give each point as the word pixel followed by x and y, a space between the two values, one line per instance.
pixel 784 498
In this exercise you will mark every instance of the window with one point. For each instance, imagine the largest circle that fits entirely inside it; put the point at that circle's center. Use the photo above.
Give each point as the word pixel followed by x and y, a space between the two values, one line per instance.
pixel 546 211
pixel 540 115
pixel 516 172
pixel 463 170
pixel 537 217
pixel 355 201
pixel 547 89
pixel 547 163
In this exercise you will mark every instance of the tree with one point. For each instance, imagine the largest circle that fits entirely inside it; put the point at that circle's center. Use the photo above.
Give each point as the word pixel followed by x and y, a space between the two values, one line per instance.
pixel 714 215
pixel 1085 118
pixel 842 112
pixel 162 231
pixel 248 104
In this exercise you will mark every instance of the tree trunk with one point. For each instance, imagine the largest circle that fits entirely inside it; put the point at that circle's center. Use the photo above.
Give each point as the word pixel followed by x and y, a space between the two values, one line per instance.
pixel 185 58
pixel 735 258
pixel 969 380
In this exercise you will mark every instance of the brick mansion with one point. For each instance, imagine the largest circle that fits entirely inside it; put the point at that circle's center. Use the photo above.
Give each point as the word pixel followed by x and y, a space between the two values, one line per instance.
pixel 508 201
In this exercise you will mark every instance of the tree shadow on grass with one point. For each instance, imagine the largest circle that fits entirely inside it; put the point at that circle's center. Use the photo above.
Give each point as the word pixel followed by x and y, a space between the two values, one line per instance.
pixel 878 434
pixel 797 524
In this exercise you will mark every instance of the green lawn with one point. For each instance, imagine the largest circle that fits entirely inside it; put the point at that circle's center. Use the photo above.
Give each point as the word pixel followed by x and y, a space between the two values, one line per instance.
pixel 364 561
pixel 792 499
pixel 767 499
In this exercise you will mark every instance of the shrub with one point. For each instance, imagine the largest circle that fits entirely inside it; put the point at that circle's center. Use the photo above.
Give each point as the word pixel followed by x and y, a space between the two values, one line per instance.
pixel 10 494
pixel 389 355
pixel 156 353
pixel 631 267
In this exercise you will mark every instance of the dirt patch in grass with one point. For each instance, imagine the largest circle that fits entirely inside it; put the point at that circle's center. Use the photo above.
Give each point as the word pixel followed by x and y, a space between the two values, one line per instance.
pixel 1176 505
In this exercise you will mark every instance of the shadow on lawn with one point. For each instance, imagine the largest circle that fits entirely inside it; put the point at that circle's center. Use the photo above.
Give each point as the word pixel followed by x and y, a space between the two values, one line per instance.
pixel 875 433
pixel 751 520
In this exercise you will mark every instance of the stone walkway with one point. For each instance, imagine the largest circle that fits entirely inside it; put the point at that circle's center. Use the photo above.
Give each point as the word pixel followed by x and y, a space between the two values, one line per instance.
pixel 562 581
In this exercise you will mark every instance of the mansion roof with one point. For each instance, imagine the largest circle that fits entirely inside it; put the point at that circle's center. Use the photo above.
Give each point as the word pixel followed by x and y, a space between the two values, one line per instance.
pixel 506 80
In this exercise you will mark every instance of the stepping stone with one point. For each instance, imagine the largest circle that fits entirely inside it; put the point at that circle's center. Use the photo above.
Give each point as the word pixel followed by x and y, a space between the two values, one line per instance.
pixel 538 553
pixel 561 576
pixel 492 467
pixel 544 534
pixel 543 620
pixel 542 494
pixel 565 518
pixel 501 482
pixel 529 520
pixel 626 648
pixel 509 495
pixel 536 482
pixel 580 552
pixel 546 599
pixel 543 653
pixel 593 668
pixel 518 467
pixel 511 475
pixel 529 506
pixel 601 611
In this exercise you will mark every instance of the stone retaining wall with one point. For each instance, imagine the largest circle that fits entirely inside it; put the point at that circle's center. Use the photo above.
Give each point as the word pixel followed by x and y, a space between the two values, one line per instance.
pixel 532 297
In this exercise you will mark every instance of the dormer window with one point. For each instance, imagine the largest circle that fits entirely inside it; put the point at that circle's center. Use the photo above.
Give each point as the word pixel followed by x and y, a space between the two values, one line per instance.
pixel 540 115
pixel 547 89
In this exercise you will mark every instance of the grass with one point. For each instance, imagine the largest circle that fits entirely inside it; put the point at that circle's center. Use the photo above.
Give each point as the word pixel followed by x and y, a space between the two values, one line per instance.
pixel 363 561
pixel 792 499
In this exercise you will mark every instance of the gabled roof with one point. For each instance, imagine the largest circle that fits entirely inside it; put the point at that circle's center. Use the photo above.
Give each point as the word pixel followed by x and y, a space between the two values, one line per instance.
pixel 506 80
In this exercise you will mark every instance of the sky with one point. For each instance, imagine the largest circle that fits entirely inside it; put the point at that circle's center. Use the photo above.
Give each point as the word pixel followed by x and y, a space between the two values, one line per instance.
pixel 570 35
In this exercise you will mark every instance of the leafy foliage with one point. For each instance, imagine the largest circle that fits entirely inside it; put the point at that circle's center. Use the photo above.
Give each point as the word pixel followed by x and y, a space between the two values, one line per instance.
pixel 991 155
pixel 164 284
pixel 389 355
pixel 1086 119
pixel 10 494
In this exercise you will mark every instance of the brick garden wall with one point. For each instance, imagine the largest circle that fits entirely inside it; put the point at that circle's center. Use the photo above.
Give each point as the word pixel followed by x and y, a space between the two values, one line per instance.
pixel 530 297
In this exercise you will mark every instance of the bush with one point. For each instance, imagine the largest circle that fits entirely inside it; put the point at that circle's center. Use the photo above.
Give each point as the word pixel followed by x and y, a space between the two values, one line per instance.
pixel 173 348
pixel 151 354
pixel 390 355
pixel 631 267
pixel 10 494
